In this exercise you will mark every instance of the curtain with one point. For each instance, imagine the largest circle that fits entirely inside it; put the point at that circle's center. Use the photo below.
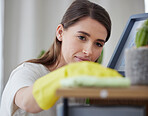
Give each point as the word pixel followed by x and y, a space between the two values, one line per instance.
pixel 29 28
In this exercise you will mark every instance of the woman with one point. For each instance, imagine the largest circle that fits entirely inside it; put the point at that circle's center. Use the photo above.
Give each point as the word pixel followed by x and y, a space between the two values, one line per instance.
pixel 80 36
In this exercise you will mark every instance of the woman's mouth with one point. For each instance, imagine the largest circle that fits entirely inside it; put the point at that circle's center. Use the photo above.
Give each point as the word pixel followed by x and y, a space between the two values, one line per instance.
pixel 78 59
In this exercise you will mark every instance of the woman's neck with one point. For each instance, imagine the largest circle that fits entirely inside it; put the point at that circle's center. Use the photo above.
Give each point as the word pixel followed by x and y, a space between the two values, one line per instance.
pixel 59 63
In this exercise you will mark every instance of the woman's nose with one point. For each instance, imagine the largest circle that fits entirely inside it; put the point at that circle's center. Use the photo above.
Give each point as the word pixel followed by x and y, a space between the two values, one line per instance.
pixel 87 51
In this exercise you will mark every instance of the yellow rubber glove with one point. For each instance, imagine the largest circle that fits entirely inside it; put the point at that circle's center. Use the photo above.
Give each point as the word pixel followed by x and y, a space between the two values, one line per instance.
pixel 44 89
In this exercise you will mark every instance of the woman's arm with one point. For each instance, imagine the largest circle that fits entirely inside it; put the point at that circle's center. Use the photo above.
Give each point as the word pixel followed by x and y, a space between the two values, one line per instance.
pixel 24 99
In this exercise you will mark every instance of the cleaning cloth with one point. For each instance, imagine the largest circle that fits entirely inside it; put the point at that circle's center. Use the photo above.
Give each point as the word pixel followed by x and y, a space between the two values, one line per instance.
pixel 44 89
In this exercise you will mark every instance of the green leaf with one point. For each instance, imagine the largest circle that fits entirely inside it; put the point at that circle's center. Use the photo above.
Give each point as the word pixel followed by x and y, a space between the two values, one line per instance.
pixel 101 57
pixel 142 35
pixel 41 54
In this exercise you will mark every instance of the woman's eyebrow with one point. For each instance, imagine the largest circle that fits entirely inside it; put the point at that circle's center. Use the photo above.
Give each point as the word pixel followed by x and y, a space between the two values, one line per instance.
pixel 101 40
pixel 85 33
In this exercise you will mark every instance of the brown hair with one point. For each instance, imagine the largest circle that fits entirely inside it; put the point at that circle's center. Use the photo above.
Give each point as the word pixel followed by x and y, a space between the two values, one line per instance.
pixel 77 10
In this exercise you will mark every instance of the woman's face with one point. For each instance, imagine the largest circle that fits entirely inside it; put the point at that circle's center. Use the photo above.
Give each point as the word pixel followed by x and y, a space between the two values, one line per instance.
pixel 82 41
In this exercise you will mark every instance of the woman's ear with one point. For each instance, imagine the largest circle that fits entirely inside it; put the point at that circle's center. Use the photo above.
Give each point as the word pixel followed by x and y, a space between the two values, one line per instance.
pixel 59 32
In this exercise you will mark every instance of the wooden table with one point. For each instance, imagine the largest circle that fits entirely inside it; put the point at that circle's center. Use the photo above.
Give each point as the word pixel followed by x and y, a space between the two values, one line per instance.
pixel 134 95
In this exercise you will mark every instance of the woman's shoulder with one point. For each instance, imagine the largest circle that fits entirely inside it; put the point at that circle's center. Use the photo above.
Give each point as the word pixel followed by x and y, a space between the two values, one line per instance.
pixel 32 68
pixel 30 65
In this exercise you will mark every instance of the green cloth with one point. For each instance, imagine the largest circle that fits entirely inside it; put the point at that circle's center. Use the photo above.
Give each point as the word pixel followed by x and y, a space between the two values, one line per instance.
pixel 92 81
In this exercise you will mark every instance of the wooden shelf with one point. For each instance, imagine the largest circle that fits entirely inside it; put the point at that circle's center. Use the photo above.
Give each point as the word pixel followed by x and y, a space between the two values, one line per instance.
pixel 133 92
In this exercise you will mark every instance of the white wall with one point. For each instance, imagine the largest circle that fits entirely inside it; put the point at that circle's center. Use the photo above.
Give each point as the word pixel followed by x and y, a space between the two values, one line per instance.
pixel 1 44
pixel 120 11
pixel 146 6
pixel 30 26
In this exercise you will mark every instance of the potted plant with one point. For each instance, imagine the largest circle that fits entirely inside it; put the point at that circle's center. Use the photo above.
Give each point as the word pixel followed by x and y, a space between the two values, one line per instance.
pixel 136 58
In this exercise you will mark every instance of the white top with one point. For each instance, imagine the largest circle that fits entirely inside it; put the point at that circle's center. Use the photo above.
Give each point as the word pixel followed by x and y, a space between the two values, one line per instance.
pixel 24 75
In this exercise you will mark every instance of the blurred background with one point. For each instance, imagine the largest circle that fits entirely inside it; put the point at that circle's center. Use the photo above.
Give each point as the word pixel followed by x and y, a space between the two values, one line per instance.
pixel 28 26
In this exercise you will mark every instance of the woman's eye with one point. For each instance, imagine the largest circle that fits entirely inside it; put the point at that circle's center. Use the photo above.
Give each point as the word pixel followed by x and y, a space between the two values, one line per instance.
pixel 99 45
pixel 81 37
